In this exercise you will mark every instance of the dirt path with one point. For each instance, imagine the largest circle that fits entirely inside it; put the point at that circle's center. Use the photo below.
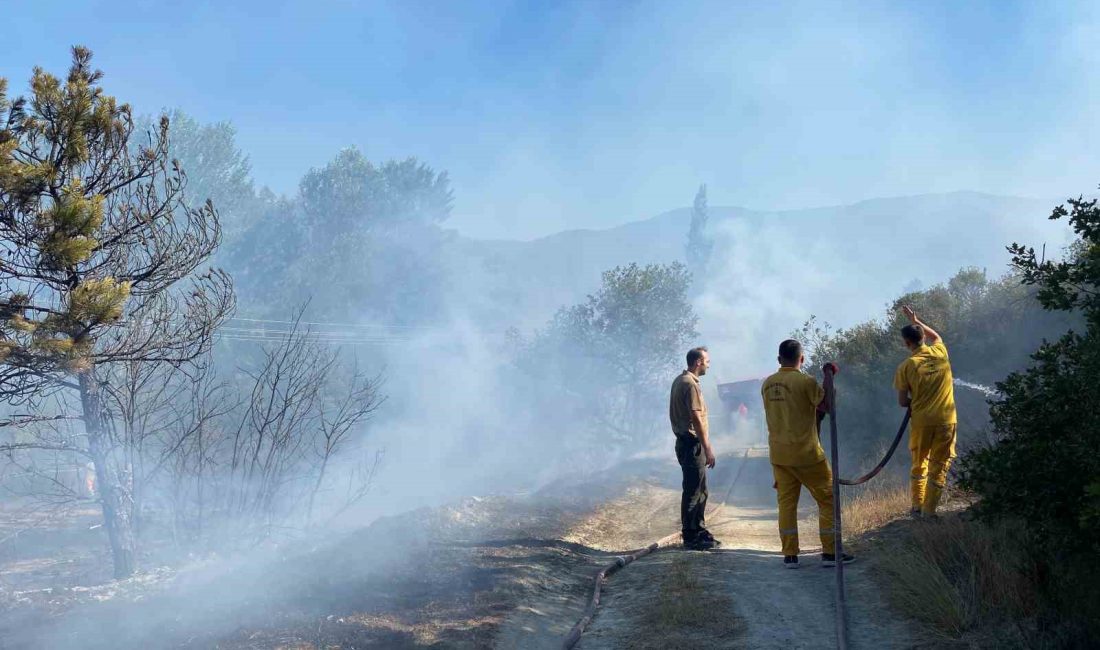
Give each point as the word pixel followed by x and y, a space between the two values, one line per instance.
pixel 745 597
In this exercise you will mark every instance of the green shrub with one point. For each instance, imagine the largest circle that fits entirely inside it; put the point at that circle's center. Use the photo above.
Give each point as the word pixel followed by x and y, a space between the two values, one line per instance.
pixel 1045 465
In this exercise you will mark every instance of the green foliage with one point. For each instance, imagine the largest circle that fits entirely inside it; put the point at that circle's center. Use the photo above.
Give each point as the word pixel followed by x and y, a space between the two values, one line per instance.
pixel 92 228
pixel 351 196
pixel 355 231
pixel 70 226
pixel 217 170
pixel 93 224
pixel 19 323
pixel 1045 461
pixel 54 220
pixel 1045 467
pixel 98 301
pixel 990 327
pixel 606 363
pixel 1070 284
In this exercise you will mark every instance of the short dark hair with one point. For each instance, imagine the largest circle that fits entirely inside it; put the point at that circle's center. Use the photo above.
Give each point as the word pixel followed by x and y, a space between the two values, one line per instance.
pixel 913 334
pixel 695 354
pixel 790 351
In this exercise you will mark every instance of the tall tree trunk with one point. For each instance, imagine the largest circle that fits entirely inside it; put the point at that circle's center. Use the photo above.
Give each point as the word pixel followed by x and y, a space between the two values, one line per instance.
pixel 116 517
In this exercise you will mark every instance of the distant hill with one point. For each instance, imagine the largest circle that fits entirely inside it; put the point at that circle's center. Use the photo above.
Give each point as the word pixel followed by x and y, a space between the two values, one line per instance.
pixel 841 262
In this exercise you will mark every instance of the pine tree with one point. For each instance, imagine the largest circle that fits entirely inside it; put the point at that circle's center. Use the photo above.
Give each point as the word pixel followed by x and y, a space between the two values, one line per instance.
pixel 699 242
pixel 94 242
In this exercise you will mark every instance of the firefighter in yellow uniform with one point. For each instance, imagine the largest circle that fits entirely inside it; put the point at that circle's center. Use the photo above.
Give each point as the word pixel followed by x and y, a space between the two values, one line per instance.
pixel 791 401
pixel 924 385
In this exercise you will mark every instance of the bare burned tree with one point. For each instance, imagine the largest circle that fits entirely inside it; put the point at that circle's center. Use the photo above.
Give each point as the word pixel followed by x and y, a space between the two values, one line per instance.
pixel 340 411
pixel 98 261
pixel 300 414
pixel 163 416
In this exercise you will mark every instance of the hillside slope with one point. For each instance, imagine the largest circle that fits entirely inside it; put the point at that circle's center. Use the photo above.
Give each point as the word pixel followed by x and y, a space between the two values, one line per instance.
pixel 770 270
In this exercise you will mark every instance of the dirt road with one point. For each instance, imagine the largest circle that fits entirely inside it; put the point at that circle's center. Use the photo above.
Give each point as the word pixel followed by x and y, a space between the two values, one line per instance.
pixel 766 606
pixel 746 596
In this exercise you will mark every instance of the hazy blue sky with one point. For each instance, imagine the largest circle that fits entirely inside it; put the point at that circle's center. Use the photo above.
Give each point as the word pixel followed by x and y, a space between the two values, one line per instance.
pixel 552 115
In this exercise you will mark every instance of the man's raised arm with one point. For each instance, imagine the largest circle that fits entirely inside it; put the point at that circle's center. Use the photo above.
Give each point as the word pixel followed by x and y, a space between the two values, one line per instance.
pixel 930 334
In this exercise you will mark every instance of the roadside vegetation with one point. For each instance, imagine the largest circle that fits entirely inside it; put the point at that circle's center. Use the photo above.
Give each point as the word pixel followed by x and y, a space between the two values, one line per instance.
pixel 1011 563
pixel 964 582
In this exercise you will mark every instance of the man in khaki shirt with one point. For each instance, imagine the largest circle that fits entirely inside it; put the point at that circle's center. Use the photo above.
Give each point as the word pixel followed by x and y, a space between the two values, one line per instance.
pixel 687 412
pixel 791 401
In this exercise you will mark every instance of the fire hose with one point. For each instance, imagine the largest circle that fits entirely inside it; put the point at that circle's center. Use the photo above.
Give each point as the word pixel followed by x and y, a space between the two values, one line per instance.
pixel 838 551
pixel 885 459
pixel 574 635
pixel 621 561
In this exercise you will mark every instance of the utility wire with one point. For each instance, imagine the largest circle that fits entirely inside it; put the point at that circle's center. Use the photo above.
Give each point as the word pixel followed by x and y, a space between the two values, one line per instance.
pixel 330 324
pixel 334 336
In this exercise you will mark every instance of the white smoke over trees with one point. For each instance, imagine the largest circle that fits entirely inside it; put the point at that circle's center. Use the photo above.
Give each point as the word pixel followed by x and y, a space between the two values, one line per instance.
pixel 359 241
pixel 605 363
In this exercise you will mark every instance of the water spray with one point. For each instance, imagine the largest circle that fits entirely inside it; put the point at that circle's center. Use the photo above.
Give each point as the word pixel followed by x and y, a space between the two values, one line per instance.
pixel 984 390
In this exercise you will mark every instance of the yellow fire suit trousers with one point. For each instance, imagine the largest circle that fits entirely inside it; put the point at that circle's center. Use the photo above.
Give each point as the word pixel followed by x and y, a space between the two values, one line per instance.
pixel 789 480
pixel 932 448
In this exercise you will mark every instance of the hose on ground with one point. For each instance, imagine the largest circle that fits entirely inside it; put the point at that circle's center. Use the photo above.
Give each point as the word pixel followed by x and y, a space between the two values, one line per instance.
pixel 886 459
pixel 621 561
pixel 575 633
pixel 737 476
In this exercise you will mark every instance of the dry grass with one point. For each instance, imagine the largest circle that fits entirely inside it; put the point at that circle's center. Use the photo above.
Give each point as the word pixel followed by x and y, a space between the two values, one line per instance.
pixel 966 582
pixel 873 507
pixel 689 610
pixel 962 576
pixel 643 514
pixel 681 594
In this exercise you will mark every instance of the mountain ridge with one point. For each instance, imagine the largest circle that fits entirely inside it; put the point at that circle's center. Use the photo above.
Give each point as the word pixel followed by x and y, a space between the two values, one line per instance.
pixel 730 211
pixel 874 247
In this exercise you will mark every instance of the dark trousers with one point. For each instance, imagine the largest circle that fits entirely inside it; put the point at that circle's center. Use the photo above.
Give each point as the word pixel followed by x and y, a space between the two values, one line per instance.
pixel 693 502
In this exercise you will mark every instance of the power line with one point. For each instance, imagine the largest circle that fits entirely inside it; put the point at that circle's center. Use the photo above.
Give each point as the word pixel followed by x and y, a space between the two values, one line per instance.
pixel 322 341
pixel 263 322
pixel 255 331
pixel 329 324
pixel 241 328
pixel 277 336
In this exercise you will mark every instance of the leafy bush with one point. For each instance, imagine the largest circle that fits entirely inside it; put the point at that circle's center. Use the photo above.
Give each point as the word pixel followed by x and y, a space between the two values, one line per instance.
pixel 1044 469
pixel 604 365
pixel 1045 466
pixel 990 327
